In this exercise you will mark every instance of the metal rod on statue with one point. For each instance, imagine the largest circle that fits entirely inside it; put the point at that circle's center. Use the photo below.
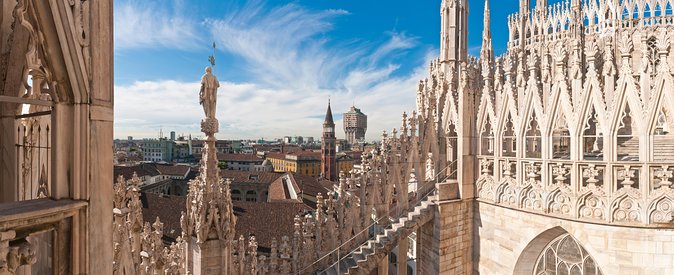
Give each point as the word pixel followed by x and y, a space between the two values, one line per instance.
pixel 211 58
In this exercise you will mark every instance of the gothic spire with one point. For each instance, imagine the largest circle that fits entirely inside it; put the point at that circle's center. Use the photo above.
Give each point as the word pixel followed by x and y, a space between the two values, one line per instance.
pixel 328 115
pixel 487 53
pixel 525 6
pixel 454 31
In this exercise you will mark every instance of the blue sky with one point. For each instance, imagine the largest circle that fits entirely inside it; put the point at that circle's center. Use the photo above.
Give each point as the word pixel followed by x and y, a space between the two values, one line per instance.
pixel 278 61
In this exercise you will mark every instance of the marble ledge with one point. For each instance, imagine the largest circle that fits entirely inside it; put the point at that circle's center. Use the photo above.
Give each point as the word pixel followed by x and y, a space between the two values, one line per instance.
pixel 23 215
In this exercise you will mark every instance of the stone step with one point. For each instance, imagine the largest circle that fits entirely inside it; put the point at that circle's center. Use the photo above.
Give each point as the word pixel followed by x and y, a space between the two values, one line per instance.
pixel 355 262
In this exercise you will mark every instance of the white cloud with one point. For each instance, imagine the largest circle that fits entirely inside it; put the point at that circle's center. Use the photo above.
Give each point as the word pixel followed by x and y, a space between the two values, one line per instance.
pixel 293 68
pixel 283 46
pixel 151 24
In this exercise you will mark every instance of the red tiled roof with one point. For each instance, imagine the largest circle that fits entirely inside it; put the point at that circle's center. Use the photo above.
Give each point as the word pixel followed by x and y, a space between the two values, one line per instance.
pixel 267 220
pixel 173 170
pixel 309 185
pixel 264 220
pixel 167 208
pixel 250 176
pixel 277 190
pixel 150 169
pixel 239 157
pixel 141 170
pixel 302 154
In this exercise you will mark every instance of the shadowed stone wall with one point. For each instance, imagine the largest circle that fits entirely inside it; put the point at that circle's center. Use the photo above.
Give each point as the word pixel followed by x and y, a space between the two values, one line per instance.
pixel 508 241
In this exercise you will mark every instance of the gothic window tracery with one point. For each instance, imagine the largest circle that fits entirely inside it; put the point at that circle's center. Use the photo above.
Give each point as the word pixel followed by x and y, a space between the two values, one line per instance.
pixel 509 145
pixel 653 55
pixel 487 139
pixel 564 255
pixel 561 139
pixel 626 139
pixel 533 138
pixel 663 136
pixel 593 144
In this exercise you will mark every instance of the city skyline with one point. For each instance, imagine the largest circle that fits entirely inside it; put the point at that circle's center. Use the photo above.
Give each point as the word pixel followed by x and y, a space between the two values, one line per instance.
pixel 276 73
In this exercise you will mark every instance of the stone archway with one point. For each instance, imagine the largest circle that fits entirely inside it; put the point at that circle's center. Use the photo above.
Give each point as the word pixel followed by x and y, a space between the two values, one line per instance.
pixel 556 251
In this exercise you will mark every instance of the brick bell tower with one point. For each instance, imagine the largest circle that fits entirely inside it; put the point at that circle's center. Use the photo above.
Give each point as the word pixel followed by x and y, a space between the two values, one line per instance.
pixel 328 164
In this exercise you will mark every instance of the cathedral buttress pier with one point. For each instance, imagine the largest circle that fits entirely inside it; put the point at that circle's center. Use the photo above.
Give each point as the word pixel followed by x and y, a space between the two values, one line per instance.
pixel 208 225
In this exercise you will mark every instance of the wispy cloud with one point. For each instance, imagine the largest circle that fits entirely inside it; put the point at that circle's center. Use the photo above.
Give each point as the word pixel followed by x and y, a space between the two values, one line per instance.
pixel 293 67
pixel 284 46
pixel 151 24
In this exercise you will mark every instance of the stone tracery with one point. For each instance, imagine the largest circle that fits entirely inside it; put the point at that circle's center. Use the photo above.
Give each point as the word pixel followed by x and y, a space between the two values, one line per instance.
pixel 603 130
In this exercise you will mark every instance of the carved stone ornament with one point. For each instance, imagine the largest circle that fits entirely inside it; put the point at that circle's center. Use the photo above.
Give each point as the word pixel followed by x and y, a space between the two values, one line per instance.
pixel 210 126
pixel 14 255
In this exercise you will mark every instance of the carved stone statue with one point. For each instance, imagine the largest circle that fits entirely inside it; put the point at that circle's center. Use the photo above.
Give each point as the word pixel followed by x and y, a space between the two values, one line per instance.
pixel 208 93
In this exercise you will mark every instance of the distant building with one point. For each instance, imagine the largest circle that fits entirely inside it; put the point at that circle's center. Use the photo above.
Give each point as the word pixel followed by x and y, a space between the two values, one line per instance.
pixel 245 162
pixel 157 150
pixel 157 178
pixel 250 186
pixel 301 162
pixel 221 146
pixel 355 125
pixel 181 151
pixel 328 151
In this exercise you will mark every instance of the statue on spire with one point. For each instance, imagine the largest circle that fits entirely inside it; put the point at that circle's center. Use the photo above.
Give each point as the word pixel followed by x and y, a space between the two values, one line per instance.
pixel 208 93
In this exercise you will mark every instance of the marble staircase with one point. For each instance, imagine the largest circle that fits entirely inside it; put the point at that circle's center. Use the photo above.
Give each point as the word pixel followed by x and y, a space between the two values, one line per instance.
pixel 365 258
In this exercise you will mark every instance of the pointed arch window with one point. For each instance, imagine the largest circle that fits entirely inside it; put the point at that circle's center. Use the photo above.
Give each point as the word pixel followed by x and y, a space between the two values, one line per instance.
pixel 653 55
pixel 663 136
pixel 593 138
pixel 487 139
pixel 533 138
pixel 561 139
pixel 509 145
pixel 564 255
pixel 627 142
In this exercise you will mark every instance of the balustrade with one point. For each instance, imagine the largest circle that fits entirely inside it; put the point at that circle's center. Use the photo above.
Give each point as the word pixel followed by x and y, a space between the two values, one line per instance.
pixel 621 193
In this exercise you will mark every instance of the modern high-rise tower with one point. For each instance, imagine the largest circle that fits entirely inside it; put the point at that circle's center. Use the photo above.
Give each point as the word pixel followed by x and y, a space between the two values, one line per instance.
pixel 328 143
pixel 355 125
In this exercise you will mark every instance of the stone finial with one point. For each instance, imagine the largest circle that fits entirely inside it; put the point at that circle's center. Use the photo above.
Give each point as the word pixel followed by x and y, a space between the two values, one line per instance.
pixel 119 199
pixel 626 46
pixel 403 127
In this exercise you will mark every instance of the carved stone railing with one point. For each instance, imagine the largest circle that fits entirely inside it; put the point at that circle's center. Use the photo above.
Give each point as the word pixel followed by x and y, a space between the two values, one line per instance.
pixel 621 193
pixel 19 221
